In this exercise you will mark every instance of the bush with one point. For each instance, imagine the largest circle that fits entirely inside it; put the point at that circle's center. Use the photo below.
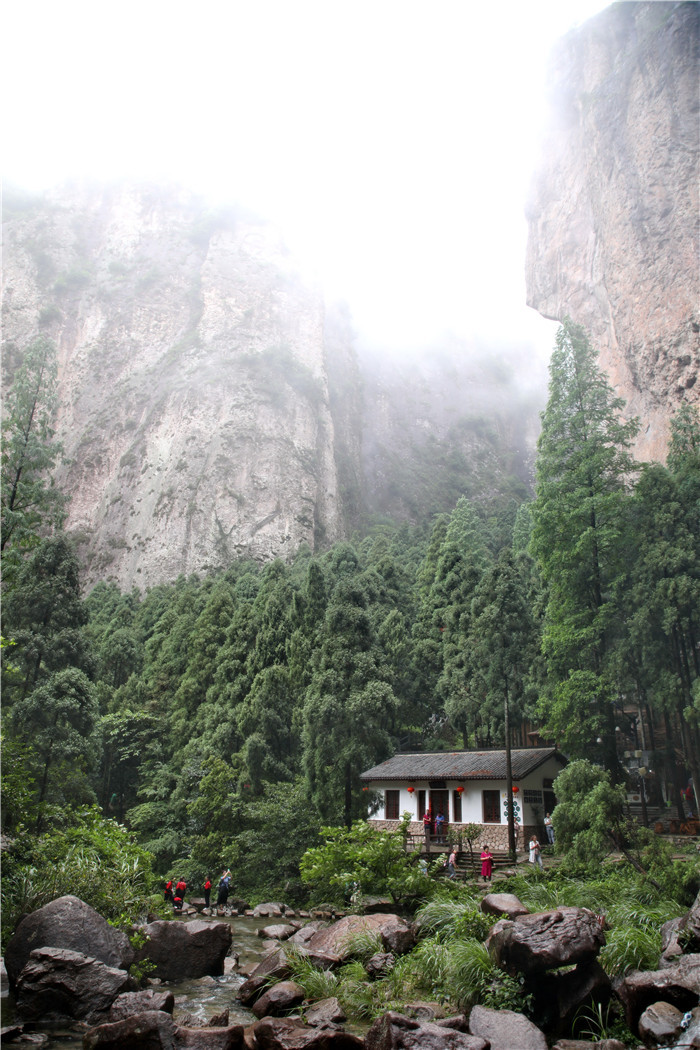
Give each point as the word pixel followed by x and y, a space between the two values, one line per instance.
pixel 93 858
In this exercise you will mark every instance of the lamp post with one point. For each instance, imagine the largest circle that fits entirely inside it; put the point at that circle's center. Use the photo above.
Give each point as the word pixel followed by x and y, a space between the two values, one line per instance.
pixel 509 785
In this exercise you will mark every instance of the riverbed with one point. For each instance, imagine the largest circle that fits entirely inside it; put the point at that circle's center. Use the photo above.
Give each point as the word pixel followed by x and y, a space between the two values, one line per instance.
pixel 202 998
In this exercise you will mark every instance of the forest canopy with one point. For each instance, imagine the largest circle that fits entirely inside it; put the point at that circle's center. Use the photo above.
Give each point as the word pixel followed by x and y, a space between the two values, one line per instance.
pixel 212 713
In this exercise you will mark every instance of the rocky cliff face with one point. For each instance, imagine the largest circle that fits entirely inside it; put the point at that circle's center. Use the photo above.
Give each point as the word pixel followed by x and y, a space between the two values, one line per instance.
pixel 211 406
pixel 194 398
pixel 613 215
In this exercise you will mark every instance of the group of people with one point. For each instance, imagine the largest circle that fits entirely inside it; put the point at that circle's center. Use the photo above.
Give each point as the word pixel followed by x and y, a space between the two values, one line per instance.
pixel 434 826
pixel 534 850
pixel 175 891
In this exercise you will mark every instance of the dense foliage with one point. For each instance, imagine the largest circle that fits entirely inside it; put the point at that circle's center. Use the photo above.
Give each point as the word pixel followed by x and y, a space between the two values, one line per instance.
pixel 225 720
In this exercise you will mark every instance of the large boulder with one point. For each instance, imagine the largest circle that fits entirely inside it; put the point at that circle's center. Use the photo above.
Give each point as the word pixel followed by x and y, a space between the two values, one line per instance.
pixel 274 967
pixel 393 1031
pixel 185 949
pixel 546 940
pixel 396 934
pixel 505 1029
pixel 68 923
pixel 58 982
pixel 678 985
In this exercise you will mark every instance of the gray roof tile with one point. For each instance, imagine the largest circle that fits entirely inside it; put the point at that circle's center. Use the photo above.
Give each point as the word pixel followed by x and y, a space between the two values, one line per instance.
pixel 461 765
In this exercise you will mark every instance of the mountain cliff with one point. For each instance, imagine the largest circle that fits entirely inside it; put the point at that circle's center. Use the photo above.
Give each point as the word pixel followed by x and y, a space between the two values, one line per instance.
pixel 213 407
pixel 192 379
pixel 613 213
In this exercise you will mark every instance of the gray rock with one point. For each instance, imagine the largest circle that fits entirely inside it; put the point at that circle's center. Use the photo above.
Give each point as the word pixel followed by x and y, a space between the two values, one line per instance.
pixel 380 963
pixel 279 999
pixel 282 1033
pixel 660 1024
pixel 68 923
pixel 503 904
pixel 394 1031
pixel 505 1029
pixel 279 932
pixel 325 1012
pixel 144 1001
pixel 546 940
pixel 58 982
pixel 271 910
pixel 152 1030
pixel 181 950
pixel 678 985
pixel 397 936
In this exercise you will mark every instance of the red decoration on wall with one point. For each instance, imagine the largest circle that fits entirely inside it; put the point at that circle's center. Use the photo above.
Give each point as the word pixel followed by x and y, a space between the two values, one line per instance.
pixel 411 790
pixel 516 789
pixel 459 790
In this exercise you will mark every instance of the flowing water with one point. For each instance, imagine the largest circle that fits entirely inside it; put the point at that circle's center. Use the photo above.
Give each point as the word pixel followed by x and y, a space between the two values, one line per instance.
pixel 203 998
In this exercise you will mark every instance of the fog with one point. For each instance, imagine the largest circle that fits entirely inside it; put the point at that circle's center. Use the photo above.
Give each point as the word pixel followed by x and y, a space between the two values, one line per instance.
pixel 391 142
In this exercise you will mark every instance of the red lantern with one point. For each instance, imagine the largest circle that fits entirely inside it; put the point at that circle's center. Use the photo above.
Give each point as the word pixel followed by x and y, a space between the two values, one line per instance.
pixel 460 790
pixel 516 789
pixel 411 790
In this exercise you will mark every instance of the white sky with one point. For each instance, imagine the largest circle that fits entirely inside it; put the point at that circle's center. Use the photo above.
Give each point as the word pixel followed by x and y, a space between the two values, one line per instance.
pixel 391 140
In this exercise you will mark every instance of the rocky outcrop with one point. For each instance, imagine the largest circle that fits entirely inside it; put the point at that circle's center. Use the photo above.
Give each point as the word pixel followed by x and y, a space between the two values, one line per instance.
pixel 192 379
pixel 613 212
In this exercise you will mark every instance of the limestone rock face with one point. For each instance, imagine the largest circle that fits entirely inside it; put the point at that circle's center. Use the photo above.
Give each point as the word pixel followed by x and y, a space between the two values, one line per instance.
pixel 192 379
pixel 613 211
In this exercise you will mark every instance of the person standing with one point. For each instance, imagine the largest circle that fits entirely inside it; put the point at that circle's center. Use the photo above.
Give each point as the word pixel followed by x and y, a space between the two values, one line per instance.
pixel 168 893
pixel 534 848
pixel 179 895
pixel 427 827
pixel 440 828
pixel 549 828
pixel 486 863
pixel 224 883
pixel 207 891
pixel 452 863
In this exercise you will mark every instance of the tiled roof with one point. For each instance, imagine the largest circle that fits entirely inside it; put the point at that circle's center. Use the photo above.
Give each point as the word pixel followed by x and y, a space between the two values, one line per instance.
pixel 462 765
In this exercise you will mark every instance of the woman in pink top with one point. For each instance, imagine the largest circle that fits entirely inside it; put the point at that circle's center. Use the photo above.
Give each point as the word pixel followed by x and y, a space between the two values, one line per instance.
pixel 486 863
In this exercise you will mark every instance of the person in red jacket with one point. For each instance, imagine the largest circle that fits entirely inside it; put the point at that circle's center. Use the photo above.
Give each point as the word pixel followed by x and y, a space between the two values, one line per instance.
pixel 179 896
pixel 168 894
pixel 207 891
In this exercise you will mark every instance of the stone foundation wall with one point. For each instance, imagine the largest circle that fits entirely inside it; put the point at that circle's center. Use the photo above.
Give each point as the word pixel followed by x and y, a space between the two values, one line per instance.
pixel 495 835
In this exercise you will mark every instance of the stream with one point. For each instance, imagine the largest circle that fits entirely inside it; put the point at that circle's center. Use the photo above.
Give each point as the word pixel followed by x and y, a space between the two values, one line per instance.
pixel 203 998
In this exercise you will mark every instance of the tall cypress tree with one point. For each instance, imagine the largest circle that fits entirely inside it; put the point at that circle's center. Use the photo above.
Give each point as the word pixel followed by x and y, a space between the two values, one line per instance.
pixel 583 474
pixel 30 502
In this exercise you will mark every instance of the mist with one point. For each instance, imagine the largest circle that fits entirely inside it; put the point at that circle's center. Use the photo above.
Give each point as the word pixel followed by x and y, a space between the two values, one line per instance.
pixel 391 145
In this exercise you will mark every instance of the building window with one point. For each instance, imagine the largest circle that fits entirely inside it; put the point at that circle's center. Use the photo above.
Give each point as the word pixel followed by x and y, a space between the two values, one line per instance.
pixel 421 803
pixel 457 806
pixel 532 797
pixel 492 806
pixel 391 805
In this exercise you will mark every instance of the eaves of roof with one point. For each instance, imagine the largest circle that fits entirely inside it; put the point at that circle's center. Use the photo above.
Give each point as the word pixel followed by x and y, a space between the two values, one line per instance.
pixel 461 765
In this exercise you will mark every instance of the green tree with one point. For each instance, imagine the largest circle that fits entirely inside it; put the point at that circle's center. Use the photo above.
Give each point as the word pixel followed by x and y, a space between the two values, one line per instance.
pixel 590 818
pixel 45 616
pixel 375 861
pixel 349 708
pixel 59 718
pixel 30 502
pixel 580 540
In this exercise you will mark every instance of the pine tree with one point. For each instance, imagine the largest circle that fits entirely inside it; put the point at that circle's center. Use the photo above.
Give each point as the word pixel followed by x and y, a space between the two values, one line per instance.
pixel 583 475
pixel 30 502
